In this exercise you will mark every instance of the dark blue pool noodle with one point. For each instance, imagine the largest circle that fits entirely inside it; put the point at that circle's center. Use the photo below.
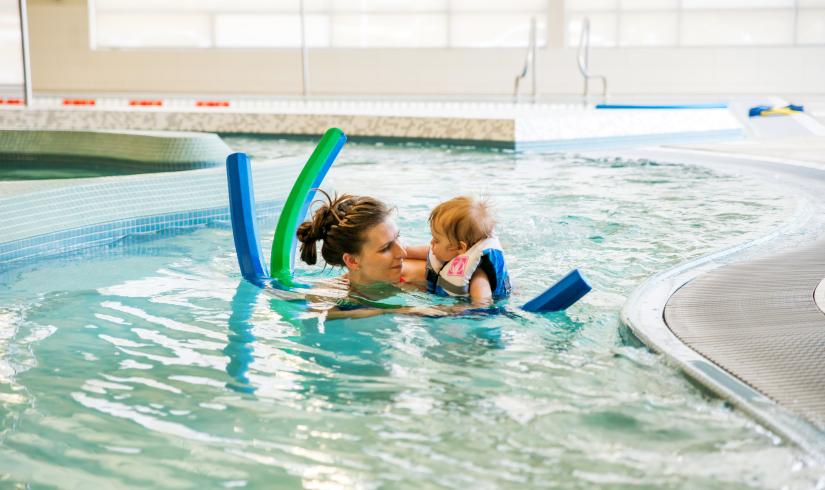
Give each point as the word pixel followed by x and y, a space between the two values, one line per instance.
pixel 757 111
pixel 561 295
pixel 713 105
pixel 242 214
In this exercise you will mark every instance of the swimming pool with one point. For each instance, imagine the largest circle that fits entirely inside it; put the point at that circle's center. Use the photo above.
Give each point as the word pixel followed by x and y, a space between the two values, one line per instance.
pixel 148 362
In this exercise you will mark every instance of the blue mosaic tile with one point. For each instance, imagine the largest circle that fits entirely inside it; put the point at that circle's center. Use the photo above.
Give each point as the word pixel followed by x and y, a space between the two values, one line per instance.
pixel 67 219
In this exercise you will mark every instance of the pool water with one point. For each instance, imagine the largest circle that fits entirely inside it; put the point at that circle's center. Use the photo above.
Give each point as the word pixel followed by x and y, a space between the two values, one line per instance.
pixel 42 172
pixel 71 167
pixel 149 363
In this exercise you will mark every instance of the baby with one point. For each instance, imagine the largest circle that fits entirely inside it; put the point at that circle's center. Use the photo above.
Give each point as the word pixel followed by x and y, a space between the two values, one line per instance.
pixel 465 259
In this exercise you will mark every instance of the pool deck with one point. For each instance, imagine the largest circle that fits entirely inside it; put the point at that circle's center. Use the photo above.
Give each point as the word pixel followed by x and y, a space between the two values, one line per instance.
pixel 745 322
pixel 808 149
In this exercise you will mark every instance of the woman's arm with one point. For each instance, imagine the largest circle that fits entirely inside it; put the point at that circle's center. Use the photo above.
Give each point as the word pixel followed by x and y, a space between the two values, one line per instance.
pixel 335 313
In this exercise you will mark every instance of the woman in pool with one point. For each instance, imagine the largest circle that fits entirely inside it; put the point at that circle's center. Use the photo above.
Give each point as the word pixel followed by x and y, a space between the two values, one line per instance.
pixel 358 233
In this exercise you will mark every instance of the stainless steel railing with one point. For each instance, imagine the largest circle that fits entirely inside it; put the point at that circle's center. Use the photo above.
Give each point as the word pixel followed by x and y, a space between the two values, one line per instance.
pixel 24 47
pixel 529 64
pixel 583 59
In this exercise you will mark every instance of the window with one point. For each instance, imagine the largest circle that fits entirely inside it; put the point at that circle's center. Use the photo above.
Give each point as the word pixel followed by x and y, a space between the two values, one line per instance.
pixel 810 26
pixel 11 55
pixel 697 22
pixel 327 23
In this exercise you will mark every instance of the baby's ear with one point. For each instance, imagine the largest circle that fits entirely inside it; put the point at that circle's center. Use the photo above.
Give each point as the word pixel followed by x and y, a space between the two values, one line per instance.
pixel 462 247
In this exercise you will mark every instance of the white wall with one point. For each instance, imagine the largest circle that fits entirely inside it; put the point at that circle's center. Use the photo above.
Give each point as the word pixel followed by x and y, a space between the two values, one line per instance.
pixel 63 62
pixel 11 58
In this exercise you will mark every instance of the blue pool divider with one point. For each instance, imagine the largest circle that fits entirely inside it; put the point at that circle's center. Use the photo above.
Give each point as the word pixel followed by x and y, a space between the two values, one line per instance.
pixel 242 215
pixel 711 105
pixel 561 295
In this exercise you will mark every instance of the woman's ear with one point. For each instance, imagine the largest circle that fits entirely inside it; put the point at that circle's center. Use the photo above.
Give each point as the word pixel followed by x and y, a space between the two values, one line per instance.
pixel 350 261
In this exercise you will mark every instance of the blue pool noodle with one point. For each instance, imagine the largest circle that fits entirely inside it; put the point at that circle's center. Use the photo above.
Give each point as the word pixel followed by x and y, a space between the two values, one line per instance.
pixel 242 215
pixel 561 295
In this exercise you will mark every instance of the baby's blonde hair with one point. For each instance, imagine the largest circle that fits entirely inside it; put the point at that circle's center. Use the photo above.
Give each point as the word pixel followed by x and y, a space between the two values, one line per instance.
pixel 463 219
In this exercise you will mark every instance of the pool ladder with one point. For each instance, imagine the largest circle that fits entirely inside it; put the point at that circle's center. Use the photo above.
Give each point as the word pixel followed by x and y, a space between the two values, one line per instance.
pixel 583 59
pixel 529 65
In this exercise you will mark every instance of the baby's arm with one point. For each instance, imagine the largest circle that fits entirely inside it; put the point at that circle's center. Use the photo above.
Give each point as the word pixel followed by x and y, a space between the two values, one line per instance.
pixel 418 252
pixel 480 292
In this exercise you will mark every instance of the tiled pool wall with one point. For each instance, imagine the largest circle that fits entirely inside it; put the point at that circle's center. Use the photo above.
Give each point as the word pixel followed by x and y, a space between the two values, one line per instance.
pixel 230 121
pixel 72 217
pixel 502 125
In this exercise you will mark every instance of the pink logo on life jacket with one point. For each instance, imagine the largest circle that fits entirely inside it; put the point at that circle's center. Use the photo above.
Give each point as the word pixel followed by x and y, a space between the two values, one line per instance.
pixel 458 265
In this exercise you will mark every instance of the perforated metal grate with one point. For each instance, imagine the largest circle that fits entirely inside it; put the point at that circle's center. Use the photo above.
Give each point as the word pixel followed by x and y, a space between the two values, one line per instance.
pixel 758 321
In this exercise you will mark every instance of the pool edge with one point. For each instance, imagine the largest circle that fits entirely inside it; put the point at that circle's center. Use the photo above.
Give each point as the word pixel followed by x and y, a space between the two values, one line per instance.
pixel 643 314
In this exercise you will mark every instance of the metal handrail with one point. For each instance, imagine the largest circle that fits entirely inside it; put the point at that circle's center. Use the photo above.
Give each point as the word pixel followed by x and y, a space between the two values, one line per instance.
pixel 529 63
pixel 304 50
pixel 583 59
pixel 24 46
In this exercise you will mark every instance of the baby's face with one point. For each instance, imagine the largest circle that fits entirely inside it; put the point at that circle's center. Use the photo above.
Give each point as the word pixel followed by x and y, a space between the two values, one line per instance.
pixel 442 249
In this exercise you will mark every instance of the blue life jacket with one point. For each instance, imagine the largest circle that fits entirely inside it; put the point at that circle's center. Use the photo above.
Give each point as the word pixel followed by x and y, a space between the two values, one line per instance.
pixel 453 278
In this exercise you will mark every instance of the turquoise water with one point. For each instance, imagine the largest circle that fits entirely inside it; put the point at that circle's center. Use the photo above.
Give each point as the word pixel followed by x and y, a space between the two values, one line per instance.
pixel 41 170
pixel 49 167
pixel 149 364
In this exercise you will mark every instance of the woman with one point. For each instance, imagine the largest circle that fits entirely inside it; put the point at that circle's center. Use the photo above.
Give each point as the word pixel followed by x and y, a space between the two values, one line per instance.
pixel 358 233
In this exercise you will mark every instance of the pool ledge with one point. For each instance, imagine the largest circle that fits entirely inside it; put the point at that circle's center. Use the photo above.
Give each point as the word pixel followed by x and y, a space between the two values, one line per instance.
pixel 519 127
pixel 644 313
pixel 130 151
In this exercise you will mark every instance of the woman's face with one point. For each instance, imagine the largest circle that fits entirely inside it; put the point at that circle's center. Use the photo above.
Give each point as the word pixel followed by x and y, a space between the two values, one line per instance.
pixel 381 256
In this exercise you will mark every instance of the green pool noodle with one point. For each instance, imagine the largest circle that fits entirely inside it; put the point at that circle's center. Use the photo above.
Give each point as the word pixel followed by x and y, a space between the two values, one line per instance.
pixel 284 242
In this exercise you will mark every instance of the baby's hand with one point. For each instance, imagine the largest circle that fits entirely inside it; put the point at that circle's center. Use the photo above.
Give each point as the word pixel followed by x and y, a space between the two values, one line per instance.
pixel 417 252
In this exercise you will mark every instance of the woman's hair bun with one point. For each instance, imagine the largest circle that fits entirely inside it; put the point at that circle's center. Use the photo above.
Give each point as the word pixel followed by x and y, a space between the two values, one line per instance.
pixel 317 228
pixel 340 222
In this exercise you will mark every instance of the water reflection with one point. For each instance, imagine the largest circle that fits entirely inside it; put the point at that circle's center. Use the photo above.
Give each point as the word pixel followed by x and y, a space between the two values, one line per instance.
pixel 356 356
pixel 239 342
